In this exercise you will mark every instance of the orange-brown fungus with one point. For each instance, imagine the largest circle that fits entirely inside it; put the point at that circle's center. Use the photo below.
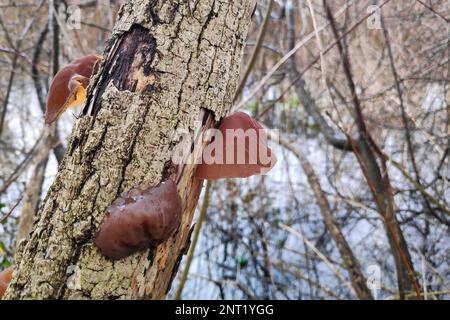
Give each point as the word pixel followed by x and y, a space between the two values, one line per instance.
pixel 5 279
pixel 140 219
pixel 68 87
pixel 241 152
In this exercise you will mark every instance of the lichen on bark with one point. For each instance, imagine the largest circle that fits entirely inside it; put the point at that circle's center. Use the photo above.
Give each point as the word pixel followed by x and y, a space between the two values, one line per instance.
pixel 166 67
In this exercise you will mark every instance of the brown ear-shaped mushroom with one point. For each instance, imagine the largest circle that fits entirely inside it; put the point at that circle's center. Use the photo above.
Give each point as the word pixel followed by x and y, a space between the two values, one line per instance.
pixel 5 279
pixel 140 219
pixel 240 150
pixel 68 87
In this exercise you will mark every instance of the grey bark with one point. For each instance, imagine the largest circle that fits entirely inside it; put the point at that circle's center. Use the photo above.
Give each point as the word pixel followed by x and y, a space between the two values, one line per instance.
pixel 166 67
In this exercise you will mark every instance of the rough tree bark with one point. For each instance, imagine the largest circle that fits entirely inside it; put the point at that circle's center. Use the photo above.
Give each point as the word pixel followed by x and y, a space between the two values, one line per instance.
pixel 167 67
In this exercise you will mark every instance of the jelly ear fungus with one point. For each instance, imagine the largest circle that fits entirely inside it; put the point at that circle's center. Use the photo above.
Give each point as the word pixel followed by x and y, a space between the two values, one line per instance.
pixel 68 86
pixel 140 219
pixel 255 145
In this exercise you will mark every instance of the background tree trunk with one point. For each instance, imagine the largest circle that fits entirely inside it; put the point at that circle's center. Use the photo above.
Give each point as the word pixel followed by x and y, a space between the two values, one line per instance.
pixel 166 67
pixel 32 195
pixel 352 265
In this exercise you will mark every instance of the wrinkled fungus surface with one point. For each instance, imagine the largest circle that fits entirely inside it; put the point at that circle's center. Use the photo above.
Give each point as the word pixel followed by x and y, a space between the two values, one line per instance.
pixel 140 219
pixel 5 279
pixel 254 159
pixel 68 86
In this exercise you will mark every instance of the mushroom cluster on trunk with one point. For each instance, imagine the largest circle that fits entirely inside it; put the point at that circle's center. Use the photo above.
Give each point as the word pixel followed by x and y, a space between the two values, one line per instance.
pixel 145 217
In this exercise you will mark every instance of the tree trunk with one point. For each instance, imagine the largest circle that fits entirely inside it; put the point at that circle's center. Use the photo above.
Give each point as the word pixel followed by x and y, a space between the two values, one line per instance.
pixel 167 67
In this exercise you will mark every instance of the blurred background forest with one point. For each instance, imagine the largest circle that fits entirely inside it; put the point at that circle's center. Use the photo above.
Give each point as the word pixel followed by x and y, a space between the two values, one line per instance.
pixel 358 205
